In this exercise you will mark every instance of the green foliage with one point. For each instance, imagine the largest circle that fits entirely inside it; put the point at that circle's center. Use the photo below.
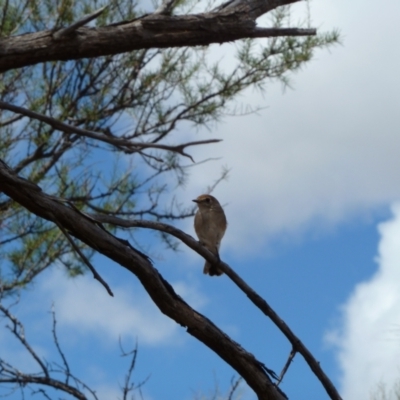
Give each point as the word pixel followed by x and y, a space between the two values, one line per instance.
pixel 145 95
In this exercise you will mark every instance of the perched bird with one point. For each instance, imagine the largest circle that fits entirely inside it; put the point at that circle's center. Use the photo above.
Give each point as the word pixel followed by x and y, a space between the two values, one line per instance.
pixel 210 225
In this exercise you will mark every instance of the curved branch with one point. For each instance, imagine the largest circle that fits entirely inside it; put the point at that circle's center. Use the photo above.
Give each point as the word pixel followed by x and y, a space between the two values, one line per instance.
pixel 18 331
pixel 88 231
pixel 25 379
pixel 96 275
pixel 255 298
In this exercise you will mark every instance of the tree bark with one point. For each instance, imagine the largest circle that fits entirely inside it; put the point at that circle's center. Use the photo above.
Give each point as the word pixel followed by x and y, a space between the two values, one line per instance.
pixel 233 21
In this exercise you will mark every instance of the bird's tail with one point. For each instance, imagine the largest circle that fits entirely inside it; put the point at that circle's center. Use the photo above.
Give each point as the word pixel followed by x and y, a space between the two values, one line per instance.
pixel 211 270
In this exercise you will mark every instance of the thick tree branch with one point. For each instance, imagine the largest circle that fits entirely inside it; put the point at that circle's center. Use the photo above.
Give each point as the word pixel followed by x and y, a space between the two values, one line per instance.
pixel 85 229
pixel 255 298
pixel 234 21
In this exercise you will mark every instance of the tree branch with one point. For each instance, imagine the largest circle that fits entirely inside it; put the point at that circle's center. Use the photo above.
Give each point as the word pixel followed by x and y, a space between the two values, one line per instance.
pixel 24 379
pixel 18 331
pixel 255 298
pixel 96 275
pixel 234 21
pixel 287 365
pixel 161 292
pixel 123 144
pixel 10 374
pixel 56 342
pixel 275 32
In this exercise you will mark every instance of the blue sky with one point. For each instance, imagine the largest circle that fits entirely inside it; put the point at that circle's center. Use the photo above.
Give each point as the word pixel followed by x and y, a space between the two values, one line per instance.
pixel 313 204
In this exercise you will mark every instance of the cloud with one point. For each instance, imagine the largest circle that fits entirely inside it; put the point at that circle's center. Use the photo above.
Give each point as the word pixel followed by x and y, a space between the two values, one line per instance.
pixel 324 152
pixel 368 341
pixel 82 304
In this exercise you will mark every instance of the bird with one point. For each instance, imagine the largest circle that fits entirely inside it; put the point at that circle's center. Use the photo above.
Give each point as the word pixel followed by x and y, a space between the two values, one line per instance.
pixel 210 226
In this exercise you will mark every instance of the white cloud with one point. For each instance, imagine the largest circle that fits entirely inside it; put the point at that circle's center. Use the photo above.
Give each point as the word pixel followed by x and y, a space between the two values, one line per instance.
pixel 326 151
pixel 369 340
pixel 83 305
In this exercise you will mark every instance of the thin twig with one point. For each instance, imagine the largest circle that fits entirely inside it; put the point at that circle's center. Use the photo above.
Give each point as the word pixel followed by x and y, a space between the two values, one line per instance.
pixel 259 32
pixel 18 331
pixel 96 275
pixel 60 352
pixel 128 385
pixel 286 366
pixel 234 386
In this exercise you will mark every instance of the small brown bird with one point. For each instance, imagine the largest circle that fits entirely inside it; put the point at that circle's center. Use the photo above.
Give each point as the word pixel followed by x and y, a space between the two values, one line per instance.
pixel 210 226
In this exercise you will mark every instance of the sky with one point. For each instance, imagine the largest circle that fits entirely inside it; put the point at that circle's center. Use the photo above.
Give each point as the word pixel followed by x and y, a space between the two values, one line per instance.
pixel 313 204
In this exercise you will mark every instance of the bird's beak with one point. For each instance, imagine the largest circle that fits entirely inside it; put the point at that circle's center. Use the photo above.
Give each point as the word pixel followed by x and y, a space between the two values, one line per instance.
pixel 196 201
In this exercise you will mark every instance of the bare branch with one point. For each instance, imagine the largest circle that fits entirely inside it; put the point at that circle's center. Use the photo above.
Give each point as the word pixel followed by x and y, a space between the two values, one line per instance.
pixel 286 366
pixel 255 298
pixel 18 331
pixel 9 374
pixel 234 386
pixel 275 32
pixel 124 144
pixel 129 386
pixel 96 275
pixel 24 379
pixel 60 352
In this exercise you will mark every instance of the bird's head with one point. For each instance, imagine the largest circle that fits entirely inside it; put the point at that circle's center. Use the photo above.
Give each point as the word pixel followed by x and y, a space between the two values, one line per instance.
pixel 206 201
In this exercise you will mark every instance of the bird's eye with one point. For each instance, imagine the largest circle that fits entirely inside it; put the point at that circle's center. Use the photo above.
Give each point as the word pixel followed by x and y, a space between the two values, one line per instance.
pixel 208 200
